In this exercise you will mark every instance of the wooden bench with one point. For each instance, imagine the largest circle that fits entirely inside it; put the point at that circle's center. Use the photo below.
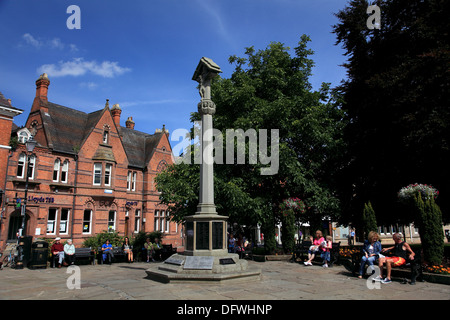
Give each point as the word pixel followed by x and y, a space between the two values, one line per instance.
pixel 80 253
pixel 414 267
pixel 302 252
pixel 166 251
pixel 84 253
pixel 119 254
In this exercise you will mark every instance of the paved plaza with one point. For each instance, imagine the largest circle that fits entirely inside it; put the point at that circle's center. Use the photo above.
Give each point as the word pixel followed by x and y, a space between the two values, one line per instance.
pixel 279 281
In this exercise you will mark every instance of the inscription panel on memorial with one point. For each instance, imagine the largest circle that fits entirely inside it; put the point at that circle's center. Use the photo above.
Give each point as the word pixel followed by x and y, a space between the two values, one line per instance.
pixel 199 263
pixel 202 236
pixel 189 235
pixel 217 235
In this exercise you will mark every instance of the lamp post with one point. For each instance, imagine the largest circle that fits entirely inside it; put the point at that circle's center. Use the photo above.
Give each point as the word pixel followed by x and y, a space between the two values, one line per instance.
pixel 30 145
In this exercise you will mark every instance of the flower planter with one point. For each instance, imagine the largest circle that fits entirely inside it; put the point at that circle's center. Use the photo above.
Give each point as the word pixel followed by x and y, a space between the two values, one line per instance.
pixel 436 278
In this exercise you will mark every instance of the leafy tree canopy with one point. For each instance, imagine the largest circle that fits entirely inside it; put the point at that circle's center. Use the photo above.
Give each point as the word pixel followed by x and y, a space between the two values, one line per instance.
pixel 269 89
pixel 396 104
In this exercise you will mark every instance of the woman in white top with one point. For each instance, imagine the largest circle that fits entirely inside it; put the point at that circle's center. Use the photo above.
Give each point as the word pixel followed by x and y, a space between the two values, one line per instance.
pixel 69 251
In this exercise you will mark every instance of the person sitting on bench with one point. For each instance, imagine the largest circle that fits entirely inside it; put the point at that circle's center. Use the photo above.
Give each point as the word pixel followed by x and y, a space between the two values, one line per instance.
pixel 107 251
pixel 57 250
pixel 400 252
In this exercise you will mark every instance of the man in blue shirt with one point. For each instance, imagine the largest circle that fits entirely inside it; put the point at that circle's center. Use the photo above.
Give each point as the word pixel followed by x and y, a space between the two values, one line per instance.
pixel 107 251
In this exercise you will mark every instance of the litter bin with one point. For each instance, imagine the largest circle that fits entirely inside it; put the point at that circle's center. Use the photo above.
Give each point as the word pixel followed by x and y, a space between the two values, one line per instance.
pixel 39 255
pixel 24 251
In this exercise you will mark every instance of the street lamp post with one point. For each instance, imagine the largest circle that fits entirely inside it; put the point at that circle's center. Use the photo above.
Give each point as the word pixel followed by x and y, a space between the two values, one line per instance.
pixel 30 144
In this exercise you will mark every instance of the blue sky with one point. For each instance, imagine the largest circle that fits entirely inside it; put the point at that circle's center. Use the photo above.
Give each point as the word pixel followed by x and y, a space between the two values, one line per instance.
pixel 142 54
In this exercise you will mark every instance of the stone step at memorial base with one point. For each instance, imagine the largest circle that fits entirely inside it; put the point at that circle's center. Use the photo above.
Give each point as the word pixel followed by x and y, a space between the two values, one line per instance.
pixel 200 268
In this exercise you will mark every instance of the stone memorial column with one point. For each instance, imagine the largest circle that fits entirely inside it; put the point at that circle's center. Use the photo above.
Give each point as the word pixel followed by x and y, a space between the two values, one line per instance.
pixel 206 231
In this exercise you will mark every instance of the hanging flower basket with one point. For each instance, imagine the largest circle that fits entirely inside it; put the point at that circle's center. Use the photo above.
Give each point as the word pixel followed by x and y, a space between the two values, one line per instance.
pixel 425 190
pixel 294 204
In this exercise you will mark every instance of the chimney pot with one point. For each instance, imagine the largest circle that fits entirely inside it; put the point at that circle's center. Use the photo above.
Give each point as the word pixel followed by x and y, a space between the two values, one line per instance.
pixel 116 111
pixel 40 101
pixel 129 123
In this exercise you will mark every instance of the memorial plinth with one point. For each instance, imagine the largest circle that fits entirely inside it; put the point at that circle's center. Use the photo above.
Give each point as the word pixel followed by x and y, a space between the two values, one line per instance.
pixel 206 257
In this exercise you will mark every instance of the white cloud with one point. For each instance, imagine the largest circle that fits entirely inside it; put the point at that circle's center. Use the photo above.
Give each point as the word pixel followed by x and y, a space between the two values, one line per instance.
pixel 29 39
pixel 78 67
pixel 89 85
pixel 54 43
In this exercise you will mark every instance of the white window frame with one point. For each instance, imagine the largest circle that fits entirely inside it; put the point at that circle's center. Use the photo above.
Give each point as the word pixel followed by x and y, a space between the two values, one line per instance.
pixel 97 168
pixel 21 163
pixel 52 222
pixel 65 171
pixel 105 136
pixel 108 174
pixel 133 181
pixel 31 166
pixel 137 220
pixel 156 226
pixel 64 222
pixel 23 135
pixel 111 223
pixel 129 180
pixel 87 222
pixel 56 168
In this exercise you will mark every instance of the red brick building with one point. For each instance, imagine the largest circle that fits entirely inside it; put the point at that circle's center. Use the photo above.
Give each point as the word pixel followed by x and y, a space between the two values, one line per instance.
pixel 7 113
pixel 87 174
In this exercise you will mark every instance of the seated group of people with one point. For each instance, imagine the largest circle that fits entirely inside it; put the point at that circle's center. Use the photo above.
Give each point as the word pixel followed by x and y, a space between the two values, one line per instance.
pixel 373 254
pixel 152 251
pixel 65 253
pixel 239 245
pixel 322 246
pixel 108 253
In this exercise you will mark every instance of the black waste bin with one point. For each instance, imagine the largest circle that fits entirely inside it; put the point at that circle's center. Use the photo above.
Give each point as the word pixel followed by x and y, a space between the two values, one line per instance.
pixel 24 251
pixel 39 255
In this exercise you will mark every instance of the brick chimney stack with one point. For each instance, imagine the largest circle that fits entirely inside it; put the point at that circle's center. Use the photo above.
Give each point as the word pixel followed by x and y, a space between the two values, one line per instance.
pixel 130 123
pixel 116 111
pixel 40 101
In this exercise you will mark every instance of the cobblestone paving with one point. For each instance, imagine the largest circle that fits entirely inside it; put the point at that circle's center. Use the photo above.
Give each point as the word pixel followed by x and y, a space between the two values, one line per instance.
pixel 279 281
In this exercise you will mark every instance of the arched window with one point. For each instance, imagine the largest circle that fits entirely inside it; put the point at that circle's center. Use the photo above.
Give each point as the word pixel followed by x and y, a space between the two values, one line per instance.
pixel 56 167
pixel 22 164
pixel 65 171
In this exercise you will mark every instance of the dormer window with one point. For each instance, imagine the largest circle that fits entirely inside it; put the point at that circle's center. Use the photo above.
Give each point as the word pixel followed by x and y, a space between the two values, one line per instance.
pixel 24 135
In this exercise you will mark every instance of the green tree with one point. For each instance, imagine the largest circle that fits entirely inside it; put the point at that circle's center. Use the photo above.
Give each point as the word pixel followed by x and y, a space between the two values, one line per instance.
pixel 429 221
pixel 369 219
pixel 268 89
pixel 100 238
pixel 288 231
pixel 396 104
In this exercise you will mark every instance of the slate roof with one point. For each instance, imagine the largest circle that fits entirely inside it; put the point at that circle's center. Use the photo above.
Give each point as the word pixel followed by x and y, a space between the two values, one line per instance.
pixel 67 128
pixel 5 103
pixel 139 146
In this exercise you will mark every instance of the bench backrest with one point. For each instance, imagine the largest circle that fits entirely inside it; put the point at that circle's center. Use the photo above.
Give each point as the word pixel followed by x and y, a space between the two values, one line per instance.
pixel 336 245
pixel 306 243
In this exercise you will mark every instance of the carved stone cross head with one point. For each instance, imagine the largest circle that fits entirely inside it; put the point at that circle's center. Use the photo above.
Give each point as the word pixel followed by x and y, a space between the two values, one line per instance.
pixel 205 71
